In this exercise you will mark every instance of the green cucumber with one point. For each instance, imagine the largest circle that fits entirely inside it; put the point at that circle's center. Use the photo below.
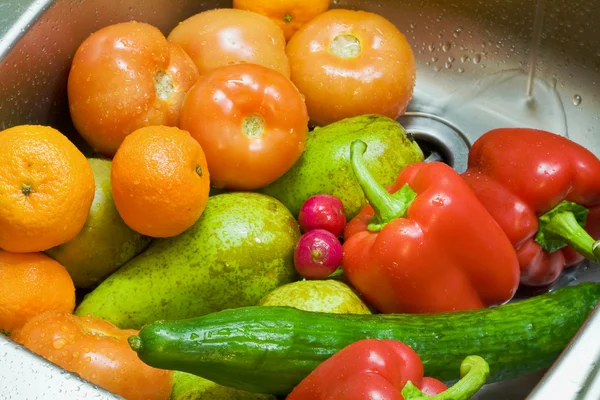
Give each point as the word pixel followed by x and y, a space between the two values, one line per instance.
pixel 271 349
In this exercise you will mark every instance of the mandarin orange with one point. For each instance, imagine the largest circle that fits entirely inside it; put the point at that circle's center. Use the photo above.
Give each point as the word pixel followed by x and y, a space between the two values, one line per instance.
pixel 290 15
pixel 31 283
pixel 160 181
pixel 46 189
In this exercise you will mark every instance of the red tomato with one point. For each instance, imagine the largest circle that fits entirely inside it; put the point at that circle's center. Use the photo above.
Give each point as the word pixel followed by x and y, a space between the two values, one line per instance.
pixel 350 63
pixel 96 350
pixel 220 37
pixel 251 122
pixel 124 77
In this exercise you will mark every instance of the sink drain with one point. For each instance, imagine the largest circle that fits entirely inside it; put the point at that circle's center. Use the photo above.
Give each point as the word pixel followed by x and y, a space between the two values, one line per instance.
pixel 438 138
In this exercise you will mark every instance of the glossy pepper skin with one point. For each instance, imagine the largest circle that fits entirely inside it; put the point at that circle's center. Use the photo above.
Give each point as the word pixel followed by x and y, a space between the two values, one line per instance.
pixel 439 249
pixel 521 174
pixel 373 369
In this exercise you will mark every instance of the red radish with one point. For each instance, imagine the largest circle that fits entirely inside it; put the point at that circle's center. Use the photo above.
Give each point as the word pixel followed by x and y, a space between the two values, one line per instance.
pixel 323 211
pixel 318 254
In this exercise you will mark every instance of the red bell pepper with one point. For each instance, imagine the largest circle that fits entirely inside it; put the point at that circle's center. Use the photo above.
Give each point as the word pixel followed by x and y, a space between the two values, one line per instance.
pixel 384 370
pixel 539 187
pixel 429 247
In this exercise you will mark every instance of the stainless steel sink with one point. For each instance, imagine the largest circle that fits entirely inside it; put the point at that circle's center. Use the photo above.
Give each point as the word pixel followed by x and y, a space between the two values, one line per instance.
pixel 474 73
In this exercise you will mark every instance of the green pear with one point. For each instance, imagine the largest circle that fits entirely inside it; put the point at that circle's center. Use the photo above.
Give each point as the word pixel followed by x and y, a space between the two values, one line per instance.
pixel 105 243
pixel 324 167
pixel 331 296
pixel 192 387
pixel 240 249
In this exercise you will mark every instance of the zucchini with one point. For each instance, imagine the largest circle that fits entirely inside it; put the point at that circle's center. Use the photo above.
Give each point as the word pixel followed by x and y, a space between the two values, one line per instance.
pixel 271 349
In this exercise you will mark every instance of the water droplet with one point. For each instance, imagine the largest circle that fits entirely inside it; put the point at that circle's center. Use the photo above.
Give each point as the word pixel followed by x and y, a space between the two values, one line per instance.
pixel 461 70
pixel 576 100
pixel 476 58
pixel 446 46
pixel 450 59
pixel 464 58
pixel 438 201
pixel 194 336
pixel 59 343
pixel 437 68
pixel 431 47
pixel 448 65
pixel 434 59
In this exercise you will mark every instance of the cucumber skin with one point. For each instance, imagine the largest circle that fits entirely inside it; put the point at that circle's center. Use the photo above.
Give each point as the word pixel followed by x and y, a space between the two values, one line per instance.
pixel 271 349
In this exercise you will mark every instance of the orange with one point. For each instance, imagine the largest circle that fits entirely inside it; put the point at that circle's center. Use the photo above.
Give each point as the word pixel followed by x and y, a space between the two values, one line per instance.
pixel 46 189
pixel 290 15
pixel 31 283
pixel 160 181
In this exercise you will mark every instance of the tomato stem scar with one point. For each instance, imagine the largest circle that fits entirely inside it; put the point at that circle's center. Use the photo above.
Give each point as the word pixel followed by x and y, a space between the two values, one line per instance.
pixel 253 126
pixel 164 85
pixel 345 46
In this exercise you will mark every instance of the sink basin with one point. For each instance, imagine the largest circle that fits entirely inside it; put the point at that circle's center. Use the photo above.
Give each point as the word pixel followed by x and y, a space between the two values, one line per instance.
pixel 481 64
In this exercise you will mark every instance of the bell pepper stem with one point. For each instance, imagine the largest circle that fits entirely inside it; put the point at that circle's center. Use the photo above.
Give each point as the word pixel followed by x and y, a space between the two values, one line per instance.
pixel 564 225
pixel 474 372
pixel 386 206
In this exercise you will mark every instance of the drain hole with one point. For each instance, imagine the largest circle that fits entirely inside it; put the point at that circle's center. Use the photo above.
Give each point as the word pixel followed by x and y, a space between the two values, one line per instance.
pixel 433 149
pixel 439 140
